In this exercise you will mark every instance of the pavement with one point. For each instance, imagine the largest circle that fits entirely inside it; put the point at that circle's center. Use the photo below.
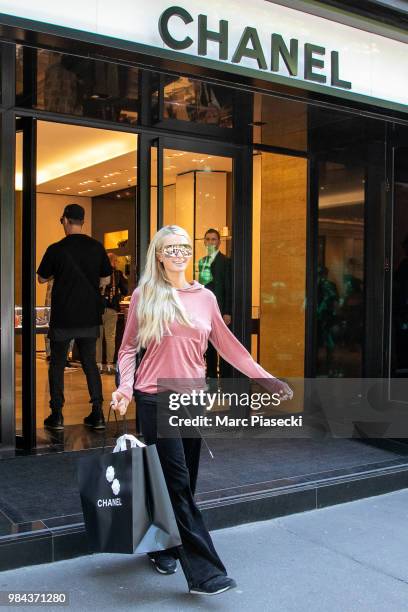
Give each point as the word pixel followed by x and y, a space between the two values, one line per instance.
pixel 346 558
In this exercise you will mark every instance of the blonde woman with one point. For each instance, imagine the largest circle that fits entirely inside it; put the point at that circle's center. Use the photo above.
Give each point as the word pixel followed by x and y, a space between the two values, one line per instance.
pixel 173 320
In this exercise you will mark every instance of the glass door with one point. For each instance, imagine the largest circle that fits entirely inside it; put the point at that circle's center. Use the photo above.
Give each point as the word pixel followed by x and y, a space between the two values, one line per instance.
pixel 200 189
pixel 24 282
pixel 197 195
pixel 56 165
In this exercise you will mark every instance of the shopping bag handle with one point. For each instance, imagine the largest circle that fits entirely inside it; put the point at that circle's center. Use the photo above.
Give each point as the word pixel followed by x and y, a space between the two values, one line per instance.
pixel 107 423
pixel 121 443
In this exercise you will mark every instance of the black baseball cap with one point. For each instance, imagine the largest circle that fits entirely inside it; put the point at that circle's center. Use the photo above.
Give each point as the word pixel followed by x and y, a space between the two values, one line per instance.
pixel 74 211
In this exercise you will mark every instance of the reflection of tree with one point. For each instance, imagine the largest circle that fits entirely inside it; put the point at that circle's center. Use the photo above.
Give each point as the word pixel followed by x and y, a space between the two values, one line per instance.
pixel 327 301
pixel 400 310
pixel 352 306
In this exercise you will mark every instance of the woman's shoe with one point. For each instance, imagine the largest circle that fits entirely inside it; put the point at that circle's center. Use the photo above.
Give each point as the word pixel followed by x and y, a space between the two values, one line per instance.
pixel 163 562
pixel 213 586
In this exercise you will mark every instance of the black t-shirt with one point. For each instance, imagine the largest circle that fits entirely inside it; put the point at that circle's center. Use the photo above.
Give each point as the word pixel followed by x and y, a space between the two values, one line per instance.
pixel 77 263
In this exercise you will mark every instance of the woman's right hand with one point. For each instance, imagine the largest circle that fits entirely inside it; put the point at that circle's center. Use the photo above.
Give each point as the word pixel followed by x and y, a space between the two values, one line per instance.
pixel 280 388
pixel 119 402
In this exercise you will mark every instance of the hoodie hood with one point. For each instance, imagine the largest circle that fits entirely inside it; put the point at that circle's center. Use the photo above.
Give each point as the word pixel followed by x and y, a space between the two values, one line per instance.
pixel 194 286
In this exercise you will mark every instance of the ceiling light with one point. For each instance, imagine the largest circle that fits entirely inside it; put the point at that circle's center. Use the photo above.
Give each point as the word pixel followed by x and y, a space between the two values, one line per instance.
pixel 85 157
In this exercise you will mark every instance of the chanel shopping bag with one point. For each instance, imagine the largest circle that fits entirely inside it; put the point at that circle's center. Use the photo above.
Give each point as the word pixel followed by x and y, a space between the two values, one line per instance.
pixel 125 501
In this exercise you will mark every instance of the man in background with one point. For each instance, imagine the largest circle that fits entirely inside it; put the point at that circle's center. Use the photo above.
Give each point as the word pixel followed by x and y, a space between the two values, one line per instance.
pixel 214 272
pixel 112 293
pixel 79 265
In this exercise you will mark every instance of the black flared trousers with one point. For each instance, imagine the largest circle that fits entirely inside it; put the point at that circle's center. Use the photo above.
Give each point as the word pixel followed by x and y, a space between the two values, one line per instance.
pixel 179 458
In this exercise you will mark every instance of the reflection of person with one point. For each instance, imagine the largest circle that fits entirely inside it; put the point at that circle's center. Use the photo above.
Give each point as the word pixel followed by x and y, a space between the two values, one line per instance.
pixel 400 309
pixel 174 320
pixel 61 86
pixel 214 272
pixel 78 264
pixel 112 294
pixel 327 300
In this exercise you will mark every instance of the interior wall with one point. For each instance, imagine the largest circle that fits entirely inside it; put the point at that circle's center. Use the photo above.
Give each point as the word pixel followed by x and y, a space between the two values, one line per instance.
pixel 211 199
pixel 283 264
pixel 114 215
pixel 169 208
pixel 256 244
pixel 184 213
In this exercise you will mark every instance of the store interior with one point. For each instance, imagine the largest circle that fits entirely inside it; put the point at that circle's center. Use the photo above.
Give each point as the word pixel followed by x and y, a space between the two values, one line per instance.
pixel 98 169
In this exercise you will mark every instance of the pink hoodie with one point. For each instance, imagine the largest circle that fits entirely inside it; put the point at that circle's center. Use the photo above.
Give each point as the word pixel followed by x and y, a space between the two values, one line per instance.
pixel 180 354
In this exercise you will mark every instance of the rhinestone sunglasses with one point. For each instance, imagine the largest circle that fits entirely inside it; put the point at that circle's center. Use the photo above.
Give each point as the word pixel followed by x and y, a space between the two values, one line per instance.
pixel 177 250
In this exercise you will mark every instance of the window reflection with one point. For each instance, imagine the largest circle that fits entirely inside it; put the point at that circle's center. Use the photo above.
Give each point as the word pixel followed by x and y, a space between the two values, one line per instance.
pixel 190 100
pixel 79 86
pixel 340 285
pixel 280 123
pixel 399 364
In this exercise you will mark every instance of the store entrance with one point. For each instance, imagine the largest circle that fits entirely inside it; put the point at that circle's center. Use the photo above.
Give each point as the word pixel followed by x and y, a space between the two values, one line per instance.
pixel 193 185
pixel 96 169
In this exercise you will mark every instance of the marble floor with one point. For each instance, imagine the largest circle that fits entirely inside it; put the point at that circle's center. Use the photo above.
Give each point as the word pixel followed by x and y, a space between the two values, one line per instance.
pixel 76 393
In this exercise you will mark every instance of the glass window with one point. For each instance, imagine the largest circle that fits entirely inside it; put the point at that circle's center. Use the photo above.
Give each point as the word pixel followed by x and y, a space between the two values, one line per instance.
pixel 186 99
pixel 72 85
pixel 399 336
pixel 340 284
pixel 350 188
pixel 280 123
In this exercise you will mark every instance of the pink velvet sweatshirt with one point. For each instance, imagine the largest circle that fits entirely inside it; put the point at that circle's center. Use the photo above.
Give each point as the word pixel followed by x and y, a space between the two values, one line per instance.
pixel 180 354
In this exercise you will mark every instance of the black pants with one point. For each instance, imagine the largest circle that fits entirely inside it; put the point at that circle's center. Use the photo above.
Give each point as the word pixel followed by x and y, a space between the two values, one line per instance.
pixel 179 459
pixel 87 355
pixel 211 360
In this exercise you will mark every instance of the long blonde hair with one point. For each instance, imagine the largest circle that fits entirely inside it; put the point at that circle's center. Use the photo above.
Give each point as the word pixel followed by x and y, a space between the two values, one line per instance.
pixel 159 304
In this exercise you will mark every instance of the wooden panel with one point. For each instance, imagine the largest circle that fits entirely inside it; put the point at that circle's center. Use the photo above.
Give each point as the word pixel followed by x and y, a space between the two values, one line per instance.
pixel 283 264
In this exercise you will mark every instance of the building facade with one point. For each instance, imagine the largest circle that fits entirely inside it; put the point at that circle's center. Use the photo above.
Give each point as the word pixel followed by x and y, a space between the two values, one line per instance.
pixel 281 124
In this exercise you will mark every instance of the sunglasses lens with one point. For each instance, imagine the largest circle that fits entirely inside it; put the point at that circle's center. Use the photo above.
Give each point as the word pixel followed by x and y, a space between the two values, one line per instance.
pixel 178 250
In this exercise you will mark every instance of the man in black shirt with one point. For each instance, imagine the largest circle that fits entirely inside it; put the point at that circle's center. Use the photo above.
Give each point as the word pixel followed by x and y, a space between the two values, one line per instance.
pixel 79 266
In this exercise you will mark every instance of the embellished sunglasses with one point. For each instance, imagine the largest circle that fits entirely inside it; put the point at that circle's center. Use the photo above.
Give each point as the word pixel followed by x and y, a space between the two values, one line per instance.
pixel 177 250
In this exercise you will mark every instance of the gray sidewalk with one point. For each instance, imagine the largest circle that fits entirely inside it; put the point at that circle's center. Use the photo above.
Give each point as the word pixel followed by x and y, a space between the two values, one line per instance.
pixel 351 557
